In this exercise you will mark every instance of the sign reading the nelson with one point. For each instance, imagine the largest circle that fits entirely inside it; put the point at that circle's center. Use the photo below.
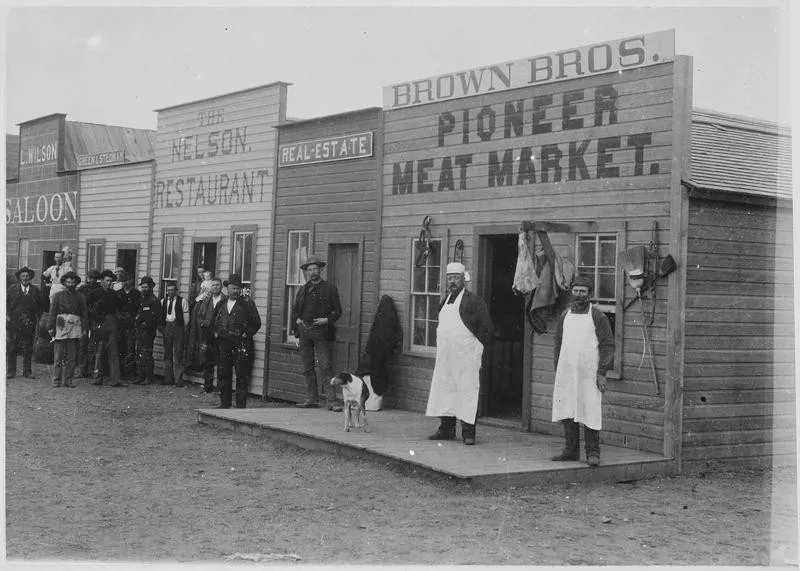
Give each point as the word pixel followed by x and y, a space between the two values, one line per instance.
pixel 606 57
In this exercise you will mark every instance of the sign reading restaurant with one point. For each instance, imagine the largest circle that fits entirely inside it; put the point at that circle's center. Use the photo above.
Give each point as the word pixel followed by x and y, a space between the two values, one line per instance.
pixel 355 146
pixel 101 159
pixel 595 59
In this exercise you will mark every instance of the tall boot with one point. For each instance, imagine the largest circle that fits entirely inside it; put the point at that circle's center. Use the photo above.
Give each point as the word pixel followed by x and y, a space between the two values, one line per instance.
pixel 468 433
pixel 592 444
pixel 572 442
pixel 446 430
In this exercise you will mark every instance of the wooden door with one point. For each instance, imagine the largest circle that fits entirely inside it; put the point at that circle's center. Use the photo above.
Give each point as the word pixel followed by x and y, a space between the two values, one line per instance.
pixel 344 271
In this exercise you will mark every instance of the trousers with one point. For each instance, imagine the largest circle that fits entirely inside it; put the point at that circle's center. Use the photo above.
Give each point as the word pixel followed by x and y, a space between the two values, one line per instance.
pixel 173 353
pixel 230 357
pixel 65 354
pixel 316 350
pixel 106 344
pixel 19 341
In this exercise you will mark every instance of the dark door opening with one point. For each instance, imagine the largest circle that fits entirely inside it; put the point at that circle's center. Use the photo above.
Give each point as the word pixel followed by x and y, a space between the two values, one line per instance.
pixel 127 260
pixel 344 271
pixel 502 395
pixel 204 254
pixel 48 259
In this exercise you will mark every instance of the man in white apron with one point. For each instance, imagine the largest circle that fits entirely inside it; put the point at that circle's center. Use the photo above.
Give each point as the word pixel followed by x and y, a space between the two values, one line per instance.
pixel 464 328
pixel 584 352
pixel 69 322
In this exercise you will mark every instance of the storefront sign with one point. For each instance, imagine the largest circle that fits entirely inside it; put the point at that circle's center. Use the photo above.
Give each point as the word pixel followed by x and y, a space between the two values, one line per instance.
pixel 45 208
pixel 327 150
pixel 595 59
pixel 38 154
pixel 101 159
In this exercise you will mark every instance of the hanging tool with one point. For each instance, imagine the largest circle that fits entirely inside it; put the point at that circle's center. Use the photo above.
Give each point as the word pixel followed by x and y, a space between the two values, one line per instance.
pixel 649 348
pixel 424 242
pixel 458 251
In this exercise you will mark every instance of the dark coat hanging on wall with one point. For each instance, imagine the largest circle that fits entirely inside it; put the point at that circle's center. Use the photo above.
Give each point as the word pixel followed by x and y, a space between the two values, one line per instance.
pixel 385 339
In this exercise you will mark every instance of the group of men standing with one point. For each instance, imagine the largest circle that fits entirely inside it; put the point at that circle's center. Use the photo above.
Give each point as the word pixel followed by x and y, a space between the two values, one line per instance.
pixel 107 328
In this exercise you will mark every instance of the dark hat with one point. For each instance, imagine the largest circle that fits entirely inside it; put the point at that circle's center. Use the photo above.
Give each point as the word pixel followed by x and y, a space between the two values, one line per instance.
pixel 93 274
pixel 233 279
pixel 583 281
pixel 147 280
pixel 25 269
pixel 312 259
pixel 107 273
pixel 72 275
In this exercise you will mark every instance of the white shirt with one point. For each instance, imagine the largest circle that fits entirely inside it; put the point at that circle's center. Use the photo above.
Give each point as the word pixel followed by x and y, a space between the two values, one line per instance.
pixel 25 289
pixel 171 314
pixel 216 299
pixel 231 303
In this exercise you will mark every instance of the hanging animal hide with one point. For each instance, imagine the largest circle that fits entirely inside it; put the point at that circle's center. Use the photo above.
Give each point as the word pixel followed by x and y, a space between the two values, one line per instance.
pixel 384 341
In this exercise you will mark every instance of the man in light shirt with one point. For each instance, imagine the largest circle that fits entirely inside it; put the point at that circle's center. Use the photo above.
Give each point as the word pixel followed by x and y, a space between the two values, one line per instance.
pixel 174 313
pixel 206 313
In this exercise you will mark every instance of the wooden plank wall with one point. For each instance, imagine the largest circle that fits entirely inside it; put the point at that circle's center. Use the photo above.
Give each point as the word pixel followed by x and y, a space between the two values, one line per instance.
pixel 185 147
pixel 337 202
pixel 740 390
pixel 115 207
pixel 644 105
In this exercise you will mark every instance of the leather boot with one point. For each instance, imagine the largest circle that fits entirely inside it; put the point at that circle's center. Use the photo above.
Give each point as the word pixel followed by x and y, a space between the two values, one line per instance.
pixel 592 444
pixel 468 433
pixel 572 443
pixel 446 430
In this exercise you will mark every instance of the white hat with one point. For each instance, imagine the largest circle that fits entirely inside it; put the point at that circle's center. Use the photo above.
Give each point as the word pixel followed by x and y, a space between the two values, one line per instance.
pixel 456 268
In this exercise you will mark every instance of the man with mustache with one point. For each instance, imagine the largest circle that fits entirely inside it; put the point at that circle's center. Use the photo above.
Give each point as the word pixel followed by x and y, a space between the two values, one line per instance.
pixel 24 304
pixel 69 323
pixel 105 303
pixel 148 321
pixel 583 353
pixel 463 331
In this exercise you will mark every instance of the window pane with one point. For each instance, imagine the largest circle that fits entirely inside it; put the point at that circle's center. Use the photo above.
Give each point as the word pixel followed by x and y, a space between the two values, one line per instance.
pixel 605 289
pixel 433 280
pixel 608 253
pixel 435 258
pixel 432 335
pixel 419 307
pixel 433 308
pixel 586 252
pixel 167 269
pixel 419 332
pixel 419 280
pixel 247 258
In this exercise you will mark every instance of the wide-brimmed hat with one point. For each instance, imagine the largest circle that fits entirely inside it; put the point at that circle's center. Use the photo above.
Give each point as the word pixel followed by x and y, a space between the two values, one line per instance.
pixel 233 279
pixel 147 280
pixel 72 275
pixel 583 281
pixel 93 274
pixel 25 269
pixel 107 273
pixel 311 260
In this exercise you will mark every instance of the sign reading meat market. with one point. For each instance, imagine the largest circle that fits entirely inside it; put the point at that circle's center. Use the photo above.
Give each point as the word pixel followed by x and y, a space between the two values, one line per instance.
pixel 355 146
pixel 595 59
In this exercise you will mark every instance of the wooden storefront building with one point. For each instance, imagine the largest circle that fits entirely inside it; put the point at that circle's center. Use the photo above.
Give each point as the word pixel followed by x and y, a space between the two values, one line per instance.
pixel 212 196
pixel 592 146
pixel 326 203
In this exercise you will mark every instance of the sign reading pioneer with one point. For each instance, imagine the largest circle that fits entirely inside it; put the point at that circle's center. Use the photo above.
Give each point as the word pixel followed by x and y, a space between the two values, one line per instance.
pixel 595 59
pixel 355 146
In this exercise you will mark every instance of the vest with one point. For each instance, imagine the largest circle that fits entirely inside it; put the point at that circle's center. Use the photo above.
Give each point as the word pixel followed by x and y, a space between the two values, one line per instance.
pixel 178 301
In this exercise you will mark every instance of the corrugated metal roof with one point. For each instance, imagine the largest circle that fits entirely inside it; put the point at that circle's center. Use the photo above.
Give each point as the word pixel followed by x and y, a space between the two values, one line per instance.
pixel 91 138
pixel 12 156
pixel 741 155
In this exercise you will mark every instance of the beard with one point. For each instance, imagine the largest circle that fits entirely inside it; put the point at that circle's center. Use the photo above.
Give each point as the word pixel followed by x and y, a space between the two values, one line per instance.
pixel 580 304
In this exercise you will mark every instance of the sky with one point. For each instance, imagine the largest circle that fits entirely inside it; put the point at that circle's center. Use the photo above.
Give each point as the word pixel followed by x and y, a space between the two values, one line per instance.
pixel 116 65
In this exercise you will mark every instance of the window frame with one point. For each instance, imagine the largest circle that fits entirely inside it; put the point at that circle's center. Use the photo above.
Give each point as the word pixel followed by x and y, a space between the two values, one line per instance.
pixel 411 347
pixel 247 284
pixel 290 289
pixel 99 243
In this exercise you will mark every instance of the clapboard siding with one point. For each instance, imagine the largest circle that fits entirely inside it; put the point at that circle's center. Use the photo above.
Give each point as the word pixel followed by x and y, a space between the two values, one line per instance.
pixel 188 135
pixel 115 208
pixel 338 203
pixel 633 412
pixel 739 387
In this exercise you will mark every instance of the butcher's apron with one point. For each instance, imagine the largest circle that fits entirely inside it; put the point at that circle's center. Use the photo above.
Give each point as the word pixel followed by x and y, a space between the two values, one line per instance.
pixel 456 375
pixel 68 326
pixel 575 393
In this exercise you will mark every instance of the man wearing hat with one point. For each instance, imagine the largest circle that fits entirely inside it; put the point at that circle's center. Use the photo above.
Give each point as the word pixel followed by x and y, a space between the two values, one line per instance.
pixel 174 317
pixel 130 299
pixel 68 325
pixel 583 353
pixel 316 308
pixel 463 331
pixel 105 304
pixel 148 320
pixel 85 360
pixel 23 308
pixel 235 323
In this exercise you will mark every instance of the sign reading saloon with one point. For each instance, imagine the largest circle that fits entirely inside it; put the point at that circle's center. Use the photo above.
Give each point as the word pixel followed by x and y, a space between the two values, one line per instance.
pixel 340 148
pixel 605 57
pixel 59 207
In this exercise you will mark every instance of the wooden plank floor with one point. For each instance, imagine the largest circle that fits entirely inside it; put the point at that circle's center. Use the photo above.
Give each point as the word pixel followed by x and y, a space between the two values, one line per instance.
pixel 502 457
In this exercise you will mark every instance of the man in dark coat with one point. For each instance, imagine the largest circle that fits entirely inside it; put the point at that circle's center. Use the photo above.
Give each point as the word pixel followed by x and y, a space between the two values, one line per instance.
pixel 147 323
pixel 206 314
pixel 130 299
pixel 68 325
pixel 316 308
pixel 105 303
pixel 85 354
pixel 23 308
pixel 174 317
pixel 235 323
pixel 464 330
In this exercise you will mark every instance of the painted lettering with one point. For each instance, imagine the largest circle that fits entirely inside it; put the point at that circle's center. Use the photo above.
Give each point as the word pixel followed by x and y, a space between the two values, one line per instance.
pixel 568 110
pixel 605 101
pixel 513 119
pixel 604 158
pixel 631 52
pixel 567 59
pixel 501 174
pixel 551 161
pixel 402 178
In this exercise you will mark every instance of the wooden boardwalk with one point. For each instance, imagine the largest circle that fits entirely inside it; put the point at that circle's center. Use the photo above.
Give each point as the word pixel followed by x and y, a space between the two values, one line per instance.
pixel 501 458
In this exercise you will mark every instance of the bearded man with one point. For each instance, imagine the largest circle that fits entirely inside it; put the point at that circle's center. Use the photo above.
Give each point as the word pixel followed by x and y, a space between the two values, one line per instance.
pixel 583 353
pixel 69 323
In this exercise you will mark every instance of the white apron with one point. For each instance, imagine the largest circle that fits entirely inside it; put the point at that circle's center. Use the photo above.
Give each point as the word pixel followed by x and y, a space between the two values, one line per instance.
pixel 68 326
pixel 456 375
pixel 575 392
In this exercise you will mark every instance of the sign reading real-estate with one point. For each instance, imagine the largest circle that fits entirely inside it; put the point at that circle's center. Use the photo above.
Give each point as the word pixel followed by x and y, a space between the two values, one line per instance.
pixel 594 59
pixel 344 147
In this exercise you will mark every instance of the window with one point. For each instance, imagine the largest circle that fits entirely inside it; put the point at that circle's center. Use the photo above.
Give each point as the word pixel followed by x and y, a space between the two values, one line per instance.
pixel 24 247
pixel 426 286
pixel 243 255
pixel 299 246
pixel 597 260
pixel 171 257
pixel 94 256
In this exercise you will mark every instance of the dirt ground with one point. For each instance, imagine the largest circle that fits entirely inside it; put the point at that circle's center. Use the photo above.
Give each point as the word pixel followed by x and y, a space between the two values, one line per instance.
pixel 127 474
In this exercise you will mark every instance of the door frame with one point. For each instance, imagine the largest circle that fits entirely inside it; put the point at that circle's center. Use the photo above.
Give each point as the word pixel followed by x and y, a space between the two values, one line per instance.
pixel 483 256
pixel 359 240
pixel 210 240
pixel 129 246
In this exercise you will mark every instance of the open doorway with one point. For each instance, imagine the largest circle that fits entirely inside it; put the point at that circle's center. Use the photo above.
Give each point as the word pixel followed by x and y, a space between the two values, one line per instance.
pixel 204 254
pixel 502 394
pixel 127 259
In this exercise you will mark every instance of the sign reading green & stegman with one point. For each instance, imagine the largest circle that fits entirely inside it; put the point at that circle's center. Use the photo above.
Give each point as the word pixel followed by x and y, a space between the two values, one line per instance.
pixel 340 148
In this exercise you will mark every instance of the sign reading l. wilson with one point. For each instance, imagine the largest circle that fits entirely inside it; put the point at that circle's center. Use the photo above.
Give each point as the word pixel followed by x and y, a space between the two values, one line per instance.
pixel 605 57
pixel 355 146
